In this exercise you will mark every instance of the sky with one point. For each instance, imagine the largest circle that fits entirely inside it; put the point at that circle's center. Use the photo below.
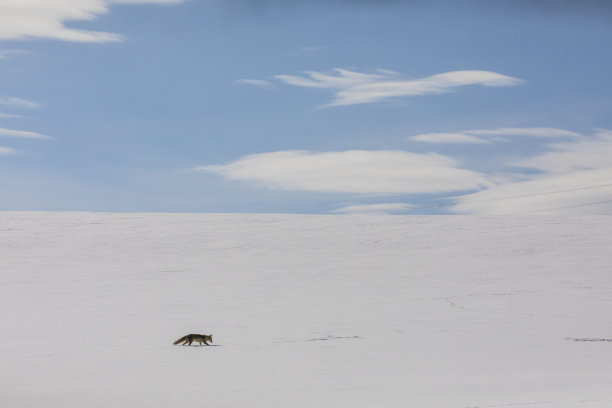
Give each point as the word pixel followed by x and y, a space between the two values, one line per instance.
pixel 331 107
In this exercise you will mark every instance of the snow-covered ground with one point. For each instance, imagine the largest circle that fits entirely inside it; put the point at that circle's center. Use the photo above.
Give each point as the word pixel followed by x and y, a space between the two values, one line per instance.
pixel 306 311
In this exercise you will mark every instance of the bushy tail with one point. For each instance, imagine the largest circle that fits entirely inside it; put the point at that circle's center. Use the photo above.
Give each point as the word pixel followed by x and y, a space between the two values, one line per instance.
pixel 180 340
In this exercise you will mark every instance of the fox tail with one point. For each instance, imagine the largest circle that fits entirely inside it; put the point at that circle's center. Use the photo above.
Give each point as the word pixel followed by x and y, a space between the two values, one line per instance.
pixel 180 340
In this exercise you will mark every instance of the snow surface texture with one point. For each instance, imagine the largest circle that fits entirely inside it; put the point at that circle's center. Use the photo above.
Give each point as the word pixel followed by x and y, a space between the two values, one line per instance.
pixel 306 311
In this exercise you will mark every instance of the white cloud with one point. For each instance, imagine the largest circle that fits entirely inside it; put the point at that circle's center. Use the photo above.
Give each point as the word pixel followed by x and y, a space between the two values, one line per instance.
pixel 22 134
pixel 575 174
pixel 353 88
pixel 542 132
pixel 592 152
pixel 7 151
pixel 384 208
pixel 25 19
pixel 448 138
pixel 9 116
pixel 489 135
pixel 18 102
pixel 575 177
pixel 579 192
pixel 256 82
pixel 353 171
pixel 345 79
pixel 5 54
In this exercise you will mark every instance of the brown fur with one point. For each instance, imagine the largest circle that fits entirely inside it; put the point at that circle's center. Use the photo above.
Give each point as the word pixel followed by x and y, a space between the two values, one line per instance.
pixel 190 338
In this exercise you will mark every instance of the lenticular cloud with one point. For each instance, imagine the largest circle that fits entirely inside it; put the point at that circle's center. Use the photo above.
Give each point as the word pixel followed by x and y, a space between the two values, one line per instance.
pixel 353 171
pixel 352 88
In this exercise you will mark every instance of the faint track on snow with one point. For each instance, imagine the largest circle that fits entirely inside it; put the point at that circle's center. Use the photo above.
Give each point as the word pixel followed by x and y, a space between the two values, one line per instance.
pixel 564 404
pixel 589 339
pixel 326 338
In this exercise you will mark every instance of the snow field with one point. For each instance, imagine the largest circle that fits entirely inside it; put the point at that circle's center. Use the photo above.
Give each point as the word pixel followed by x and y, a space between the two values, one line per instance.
pixel 305 311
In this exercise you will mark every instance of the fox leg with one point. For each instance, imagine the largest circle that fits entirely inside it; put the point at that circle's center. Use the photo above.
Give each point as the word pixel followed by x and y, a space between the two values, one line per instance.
pixel 190 341
pixel 185 342
pixel 205 343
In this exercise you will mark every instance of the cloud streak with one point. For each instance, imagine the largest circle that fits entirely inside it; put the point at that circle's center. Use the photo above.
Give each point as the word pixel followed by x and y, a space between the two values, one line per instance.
pixel 382 208
pixel 353 171
pixel 18 102
pixel 9 116
pixel 541 132
pixel 579 192
pixel 448 138
pixel 27 19
pixel 22 134
pixel 593 152
pixel 7 151
pixel 491 135
pixel 6 54
pixel 574 177
pixel 255 82
pixel 353 88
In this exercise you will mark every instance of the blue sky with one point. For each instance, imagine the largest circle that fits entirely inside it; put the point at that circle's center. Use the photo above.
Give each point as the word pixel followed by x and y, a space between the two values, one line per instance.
pixel 495 107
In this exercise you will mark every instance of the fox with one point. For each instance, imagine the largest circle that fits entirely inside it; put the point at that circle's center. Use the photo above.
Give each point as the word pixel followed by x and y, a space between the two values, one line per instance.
pixel 190 338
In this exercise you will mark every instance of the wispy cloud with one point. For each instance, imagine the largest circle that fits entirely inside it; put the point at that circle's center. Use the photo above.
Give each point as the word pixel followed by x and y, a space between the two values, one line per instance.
pixel 26 19
pixel 255 82
pixel 5 54
pixel 579 192
pixel 7 151
pixel 594 152
pixel 542 132
pixel 448 138
pixel 574 176
pixel 490 135
pixel 18 102
pixel 22 134
pixel 9 116
pixel 383 208
pixel 353 171
pixel 343 80
pixel 352 88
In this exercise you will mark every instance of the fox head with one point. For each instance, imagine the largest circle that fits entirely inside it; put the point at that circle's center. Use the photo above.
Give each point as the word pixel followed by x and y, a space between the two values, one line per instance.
pixel 210 338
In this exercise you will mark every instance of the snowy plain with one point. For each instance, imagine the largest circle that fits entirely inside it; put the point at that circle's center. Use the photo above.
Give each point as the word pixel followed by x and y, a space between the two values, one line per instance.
pixel 305 310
